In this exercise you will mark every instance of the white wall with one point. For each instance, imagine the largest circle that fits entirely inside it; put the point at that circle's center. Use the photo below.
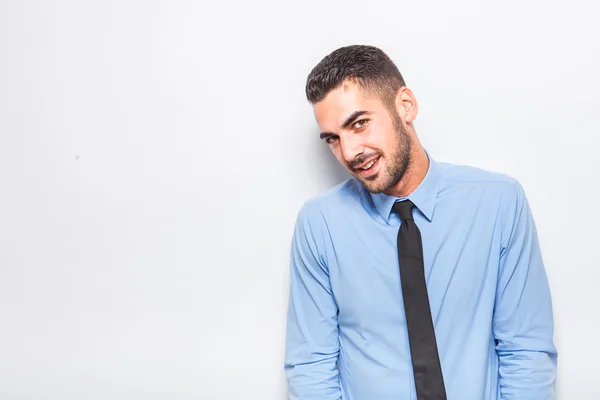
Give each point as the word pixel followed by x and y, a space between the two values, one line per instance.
pixel 153 156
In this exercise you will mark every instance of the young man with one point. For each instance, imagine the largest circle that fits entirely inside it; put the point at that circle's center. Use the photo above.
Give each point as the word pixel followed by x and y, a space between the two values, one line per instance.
pixel 414 279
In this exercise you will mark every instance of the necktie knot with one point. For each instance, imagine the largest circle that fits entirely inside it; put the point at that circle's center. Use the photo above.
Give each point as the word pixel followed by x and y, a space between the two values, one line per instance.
pixel 404 209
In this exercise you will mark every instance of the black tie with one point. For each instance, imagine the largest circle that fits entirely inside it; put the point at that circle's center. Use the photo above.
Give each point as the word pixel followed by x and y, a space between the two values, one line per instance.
pixel 421 336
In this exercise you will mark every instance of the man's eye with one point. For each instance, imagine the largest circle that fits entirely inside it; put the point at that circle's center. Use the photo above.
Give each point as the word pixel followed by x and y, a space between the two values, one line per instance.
pixel 330 139
pixel 360 123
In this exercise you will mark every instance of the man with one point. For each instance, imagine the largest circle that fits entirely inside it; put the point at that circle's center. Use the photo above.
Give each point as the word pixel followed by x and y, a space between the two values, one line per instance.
pixel 414 279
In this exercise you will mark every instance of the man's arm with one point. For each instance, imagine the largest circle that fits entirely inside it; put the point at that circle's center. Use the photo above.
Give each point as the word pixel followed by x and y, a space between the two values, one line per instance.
pixel 523 322
pixel 312 345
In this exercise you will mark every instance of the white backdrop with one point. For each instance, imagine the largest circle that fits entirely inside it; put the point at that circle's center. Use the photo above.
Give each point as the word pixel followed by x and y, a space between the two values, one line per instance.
pixel 153 157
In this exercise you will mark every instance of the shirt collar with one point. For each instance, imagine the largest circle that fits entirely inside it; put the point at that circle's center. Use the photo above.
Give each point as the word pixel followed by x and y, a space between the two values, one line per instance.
pixel 423 197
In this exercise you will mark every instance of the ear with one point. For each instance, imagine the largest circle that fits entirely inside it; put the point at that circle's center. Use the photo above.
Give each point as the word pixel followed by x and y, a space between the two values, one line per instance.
pixel 406 104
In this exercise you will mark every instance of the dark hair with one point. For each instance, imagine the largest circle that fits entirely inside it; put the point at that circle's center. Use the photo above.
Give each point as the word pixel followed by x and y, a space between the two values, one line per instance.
pixel 367 66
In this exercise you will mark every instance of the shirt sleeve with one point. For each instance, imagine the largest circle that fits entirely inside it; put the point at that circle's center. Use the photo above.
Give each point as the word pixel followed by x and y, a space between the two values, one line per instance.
pixel 523 319
pixel 312 345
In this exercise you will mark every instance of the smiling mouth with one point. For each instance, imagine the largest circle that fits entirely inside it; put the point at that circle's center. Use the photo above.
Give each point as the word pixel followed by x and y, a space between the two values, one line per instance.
pixel 369 168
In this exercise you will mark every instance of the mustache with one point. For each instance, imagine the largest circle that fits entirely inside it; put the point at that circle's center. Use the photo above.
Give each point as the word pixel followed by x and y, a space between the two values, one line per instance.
pixel 362 158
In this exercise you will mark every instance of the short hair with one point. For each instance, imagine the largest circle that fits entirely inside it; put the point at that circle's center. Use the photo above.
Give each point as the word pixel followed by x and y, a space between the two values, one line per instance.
pixel 367 66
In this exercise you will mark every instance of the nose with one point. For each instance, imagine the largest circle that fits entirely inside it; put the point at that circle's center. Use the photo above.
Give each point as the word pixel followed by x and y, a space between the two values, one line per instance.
pixel 351 147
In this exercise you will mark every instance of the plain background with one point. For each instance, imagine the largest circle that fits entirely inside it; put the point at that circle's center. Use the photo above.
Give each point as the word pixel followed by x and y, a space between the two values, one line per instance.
pixel 153 157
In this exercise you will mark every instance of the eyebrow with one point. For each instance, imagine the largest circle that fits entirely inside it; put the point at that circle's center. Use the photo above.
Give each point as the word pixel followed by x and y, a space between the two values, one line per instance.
pixel 346 123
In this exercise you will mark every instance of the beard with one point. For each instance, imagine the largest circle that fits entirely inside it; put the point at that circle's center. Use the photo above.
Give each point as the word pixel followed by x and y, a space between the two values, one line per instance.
pixel 396 164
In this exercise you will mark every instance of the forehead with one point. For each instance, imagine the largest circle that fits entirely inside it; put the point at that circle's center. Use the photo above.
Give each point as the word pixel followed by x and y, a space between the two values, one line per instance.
pixel 341 102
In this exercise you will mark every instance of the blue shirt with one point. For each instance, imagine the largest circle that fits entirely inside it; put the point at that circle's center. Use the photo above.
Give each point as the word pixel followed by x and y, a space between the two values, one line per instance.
pixel 488 292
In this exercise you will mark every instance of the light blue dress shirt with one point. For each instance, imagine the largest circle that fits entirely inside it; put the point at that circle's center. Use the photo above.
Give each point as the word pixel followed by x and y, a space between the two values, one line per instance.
pixel 488 292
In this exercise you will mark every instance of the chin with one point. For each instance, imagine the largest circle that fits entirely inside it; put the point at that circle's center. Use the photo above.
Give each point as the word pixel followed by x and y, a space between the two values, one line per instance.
pixel 374 186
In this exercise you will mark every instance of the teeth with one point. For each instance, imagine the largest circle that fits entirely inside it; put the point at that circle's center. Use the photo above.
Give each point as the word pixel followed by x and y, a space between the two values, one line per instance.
pixel 369 165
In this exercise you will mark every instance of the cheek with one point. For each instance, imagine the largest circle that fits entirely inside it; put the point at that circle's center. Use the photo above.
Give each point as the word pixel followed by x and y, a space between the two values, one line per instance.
pixel 378 138
pixel 391 144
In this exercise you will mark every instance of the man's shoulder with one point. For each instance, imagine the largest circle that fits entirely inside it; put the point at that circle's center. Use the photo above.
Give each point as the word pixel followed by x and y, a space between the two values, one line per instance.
pixel 462 174
pixel 350 188
pixel 348 193
pixel 500 188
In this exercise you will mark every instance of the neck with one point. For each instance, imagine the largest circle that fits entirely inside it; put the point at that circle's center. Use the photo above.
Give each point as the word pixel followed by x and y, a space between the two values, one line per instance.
pixel 415 173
